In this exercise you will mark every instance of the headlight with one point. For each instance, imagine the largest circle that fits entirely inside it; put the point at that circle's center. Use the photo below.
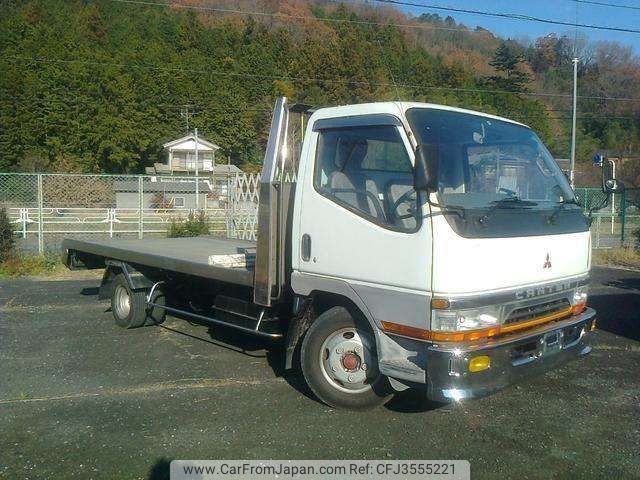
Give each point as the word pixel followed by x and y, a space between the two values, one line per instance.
pixel 580 295
pixel 579 300
pixel 463 320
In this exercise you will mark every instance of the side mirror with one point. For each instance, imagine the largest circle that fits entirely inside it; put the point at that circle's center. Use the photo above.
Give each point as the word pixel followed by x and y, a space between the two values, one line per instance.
pixel 425 173
pixel 609 182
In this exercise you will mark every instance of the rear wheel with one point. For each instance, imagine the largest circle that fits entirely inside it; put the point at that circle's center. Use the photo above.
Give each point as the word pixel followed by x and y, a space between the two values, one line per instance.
pixel 129 307
pixel 340 364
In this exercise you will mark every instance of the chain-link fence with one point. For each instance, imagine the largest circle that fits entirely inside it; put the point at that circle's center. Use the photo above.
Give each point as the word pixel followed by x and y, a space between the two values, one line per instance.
pixel 616 224
pixel 45 208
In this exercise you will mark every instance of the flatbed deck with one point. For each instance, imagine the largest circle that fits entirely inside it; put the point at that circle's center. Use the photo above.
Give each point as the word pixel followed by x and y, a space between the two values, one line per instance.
pixel 185 255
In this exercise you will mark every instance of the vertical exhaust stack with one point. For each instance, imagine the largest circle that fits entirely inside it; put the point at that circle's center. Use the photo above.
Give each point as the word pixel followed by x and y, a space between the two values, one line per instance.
pixel 269 270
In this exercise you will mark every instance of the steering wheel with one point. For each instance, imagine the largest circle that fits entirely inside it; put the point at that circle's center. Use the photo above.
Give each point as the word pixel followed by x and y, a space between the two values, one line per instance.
pixel 406 196
pixel 376 202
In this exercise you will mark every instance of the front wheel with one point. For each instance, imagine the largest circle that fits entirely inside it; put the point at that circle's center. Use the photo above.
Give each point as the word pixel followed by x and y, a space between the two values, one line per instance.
pixel 340 364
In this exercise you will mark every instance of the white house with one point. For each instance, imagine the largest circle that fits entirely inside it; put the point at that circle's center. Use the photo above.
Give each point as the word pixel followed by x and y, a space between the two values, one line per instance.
pixel 169 178
pixel 181 156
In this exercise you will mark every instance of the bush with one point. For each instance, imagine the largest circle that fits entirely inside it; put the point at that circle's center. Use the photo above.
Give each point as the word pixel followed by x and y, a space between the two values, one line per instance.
pixel 25 265
pixel 7 243
pixel 627 257
pixel 193 226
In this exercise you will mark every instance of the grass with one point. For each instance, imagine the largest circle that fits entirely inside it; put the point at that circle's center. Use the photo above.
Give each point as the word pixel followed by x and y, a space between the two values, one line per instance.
pixel 620 257
pixel 28 265
pixel 193 226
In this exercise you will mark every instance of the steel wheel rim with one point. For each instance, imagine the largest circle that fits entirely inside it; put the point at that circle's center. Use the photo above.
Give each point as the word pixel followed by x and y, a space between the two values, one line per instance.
pixel 122 303
pixel 337 360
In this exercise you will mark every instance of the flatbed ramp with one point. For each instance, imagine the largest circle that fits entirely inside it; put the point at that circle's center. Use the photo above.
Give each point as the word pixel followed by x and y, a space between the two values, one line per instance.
pixel 185 255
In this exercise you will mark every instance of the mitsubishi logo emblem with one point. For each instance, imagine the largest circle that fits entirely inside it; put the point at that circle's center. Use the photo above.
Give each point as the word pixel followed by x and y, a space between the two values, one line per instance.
pixel 547 262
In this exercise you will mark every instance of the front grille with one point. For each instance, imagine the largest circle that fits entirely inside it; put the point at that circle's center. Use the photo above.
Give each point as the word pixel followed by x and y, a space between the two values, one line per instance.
pixel 539 310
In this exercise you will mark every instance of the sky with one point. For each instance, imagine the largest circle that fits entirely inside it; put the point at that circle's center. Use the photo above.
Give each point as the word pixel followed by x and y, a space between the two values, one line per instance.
pixel 563 10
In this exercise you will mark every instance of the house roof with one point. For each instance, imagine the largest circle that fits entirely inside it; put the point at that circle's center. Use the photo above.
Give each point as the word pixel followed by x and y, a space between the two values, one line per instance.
pixel 226 168
pixel 218 169
pixel 189 143
pixel 165 187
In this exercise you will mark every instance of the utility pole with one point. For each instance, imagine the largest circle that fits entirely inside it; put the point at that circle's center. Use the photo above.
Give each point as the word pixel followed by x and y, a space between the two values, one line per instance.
pixel 197 182
pixel 613 197
pixel 186 114
pixel 573 129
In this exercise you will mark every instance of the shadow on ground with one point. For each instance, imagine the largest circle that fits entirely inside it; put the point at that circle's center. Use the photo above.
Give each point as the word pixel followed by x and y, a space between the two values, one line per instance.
pixel 623 319
pixel 255 347
pixel 90 291
pixel 160 470
pixel 619 310
pixel 412 401
pixel 409 401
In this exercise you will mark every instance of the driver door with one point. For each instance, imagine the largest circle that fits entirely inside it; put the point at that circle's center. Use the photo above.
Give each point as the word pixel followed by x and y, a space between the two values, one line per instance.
pixel 360 214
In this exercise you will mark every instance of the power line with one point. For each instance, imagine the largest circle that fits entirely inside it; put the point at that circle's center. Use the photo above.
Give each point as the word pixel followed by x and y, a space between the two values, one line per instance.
pixel 554 114
pixel 511 16
pixel 64 92
pixel 175 109
pixel 298 17
pixel 333 80
pixel 580 117
pixel 515 16
pixel 604 4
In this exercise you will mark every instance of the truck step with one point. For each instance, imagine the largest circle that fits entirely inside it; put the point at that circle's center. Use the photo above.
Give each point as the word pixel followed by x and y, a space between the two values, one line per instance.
pixel 259 324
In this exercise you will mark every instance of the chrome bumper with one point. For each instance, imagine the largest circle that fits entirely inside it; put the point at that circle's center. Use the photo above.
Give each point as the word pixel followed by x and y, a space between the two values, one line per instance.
pixel 512 358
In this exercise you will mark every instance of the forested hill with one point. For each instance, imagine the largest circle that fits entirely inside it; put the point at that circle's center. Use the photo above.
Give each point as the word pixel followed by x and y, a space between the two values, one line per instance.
pixel 98 86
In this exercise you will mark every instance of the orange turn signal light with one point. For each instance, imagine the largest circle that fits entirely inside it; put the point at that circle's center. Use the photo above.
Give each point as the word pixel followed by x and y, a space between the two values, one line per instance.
pixel 440 303
pixel 578 308
pixel 472 335
pixel 423 334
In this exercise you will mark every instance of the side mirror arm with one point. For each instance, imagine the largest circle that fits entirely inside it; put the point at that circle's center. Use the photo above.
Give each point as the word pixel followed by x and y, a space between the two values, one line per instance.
pixel 425 171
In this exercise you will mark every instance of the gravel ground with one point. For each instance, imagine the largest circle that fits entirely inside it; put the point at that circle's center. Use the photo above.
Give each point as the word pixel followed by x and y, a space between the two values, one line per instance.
pixel 81 398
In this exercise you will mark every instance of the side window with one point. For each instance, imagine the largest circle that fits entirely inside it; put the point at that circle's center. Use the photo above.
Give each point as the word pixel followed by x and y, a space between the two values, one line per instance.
pixel 367 170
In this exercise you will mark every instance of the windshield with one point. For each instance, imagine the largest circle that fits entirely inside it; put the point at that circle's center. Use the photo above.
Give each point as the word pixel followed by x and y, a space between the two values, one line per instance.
pixel 486 163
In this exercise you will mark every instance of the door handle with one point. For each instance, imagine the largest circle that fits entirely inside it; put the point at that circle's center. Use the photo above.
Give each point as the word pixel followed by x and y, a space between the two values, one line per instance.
pixel 305 250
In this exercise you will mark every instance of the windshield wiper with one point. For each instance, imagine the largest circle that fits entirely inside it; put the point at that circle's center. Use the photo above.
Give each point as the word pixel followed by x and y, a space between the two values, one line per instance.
pixel 560 206
pixel 457 209
pixel 512 202
pixel 571 201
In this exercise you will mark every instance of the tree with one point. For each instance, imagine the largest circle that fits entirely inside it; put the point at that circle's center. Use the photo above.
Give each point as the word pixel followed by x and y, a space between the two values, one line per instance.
pixel 507 60
pixel 7 242
pixel 105 95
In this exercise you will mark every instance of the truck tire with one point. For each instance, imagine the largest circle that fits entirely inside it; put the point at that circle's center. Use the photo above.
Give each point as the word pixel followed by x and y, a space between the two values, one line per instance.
pixel 339 362
pixel 129 307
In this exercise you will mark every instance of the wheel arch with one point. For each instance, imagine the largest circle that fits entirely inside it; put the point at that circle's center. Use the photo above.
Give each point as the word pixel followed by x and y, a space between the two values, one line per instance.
pixel 316 295
pixel 135 279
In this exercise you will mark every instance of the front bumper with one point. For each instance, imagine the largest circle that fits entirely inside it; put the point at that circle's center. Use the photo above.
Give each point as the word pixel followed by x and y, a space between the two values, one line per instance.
pixel 511 359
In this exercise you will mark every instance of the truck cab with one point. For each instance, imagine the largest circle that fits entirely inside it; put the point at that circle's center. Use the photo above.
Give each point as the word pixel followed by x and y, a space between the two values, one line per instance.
pixel 456 242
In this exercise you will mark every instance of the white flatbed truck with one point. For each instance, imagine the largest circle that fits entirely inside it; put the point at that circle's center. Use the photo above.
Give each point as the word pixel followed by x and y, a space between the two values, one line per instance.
pixel 421 246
